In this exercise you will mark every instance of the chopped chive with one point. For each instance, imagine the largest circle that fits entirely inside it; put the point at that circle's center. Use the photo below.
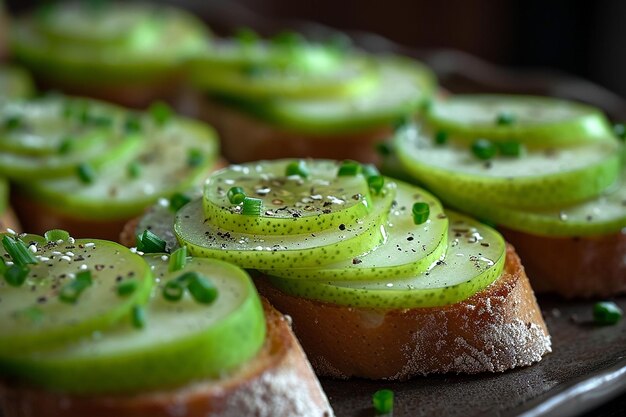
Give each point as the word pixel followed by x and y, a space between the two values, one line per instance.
pixel 178 200
pixel 56 234
pixel 12 122
pixel 86 173
pixel 484 149
pixel 607 312
pixel 139 317
pixel 148 242
pixel 246 37
pixel 505 119
pixel 383 401
pixel 288 39
pixel 66 146
pixel 384 148
pixel 511 148
pixel 178 259
pixel 369 170
pixel 251 206
pixel 298 168
pixel 349 169
pixel 202 289
pixel 134 169
pixel 620 130
pixel 441 137
pixel 420 211
pixel 173 290
pixel 71 291
pixel 195 157
pixel 376 183
pixel 15 275
pixel 132 124
pixel 236 195
pixel 161 113
pixel 18 251
pixel 127 287
pixel 401 123
pixel 84 277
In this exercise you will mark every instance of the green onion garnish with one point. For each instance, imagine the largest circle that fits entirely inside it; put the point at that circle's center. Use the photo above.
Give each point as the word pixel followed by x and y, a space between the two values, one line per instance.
pixel 71 291
pixel 86 173
pixel 511 148
pixel 484 149
pixel 420 211
pixel 161 113
pixel 127 287
pixel 55 235
pixel 349 169
pixel 505 119
pixel 607 312
pixel 132 124
pixel 298 168
pixel 246 37
pixel 251 206
pixel 383 401
pixel 18 251
pixel 620 130
pixel 13 122
pixel 84 277
pixel 376 183
pixel 369 170
pixel 441 137
pixel 201 289
pixel 236 195
pixel 401 123
pixel 66 146
pixel 148 242
pixel 178 259
pixel 139 317
pixel 384 148
pixel 178 200
pixel 195 157
pixel 134 169
pixel 15 275
pixel 173 290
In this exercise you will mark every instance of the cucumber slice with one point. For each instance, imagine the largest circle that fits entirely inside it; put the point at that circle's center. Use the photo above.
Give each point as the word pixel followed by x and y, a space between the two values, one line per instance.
pixel 15 83
pixel 403 86
pixel 33 313
pixel 474 259
pixel 207 239
pixel 534 121
pixel 164 168
pixel 181 341
pixel 605 214
pixel 408 248
pixel 537 179
pixel 290 204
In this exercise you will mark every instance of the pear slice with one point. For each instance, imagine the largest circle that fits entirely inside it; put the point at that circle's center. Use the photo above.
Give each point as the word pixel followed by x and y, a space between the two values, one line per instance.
pixel 290 204
pixel 408 248
pixel 474 259
pixel 534 121
pixel 34 314
pixel 180 341
pixel 541 178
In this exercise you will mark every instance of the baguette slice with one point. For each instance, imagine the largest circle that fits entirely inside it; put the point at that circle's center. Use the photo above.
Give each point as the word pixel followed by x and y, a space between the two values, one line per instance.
pixel 496 329
pixel 278 382
pixel 586 266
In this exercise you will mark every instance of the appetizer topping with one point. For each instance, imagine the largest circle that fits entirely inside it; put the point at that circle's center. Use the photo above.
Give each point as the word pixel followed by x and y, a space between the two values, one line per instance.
pixel 420 211
pixel 383 401
pixel 148 242
pixel 607 312
pixel 484 149
pixel 178 259
pixel 86 173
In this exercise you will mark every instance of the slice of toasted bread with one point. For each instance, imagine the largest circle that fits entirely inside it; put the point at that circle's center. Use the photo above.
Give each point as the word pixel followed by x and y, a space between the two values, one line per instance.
pixel 278 382
pixel 496 329
pixel 586 266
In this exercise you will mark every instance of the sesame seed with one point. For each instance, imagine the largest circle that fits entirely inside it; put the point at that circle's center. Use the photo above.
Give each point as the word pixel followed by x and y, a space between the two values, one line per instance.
pixel 11 231
pixel 71 240
pixel 32 248
pixel 164 257
pixel 83 267
pixel 70 254
pixel 41 258
pixel 133 250
pixel 90 245
pixel 65 258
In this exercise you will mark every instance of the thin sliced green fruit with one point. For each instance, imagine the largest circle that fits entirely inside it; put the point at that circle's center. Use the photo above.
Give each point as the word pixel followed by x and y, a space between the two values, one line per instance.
pixel 534 121
pixel 15 83
pixel 408 248
pixel 290 204
pixel 538 179
pixel 33 313
pixel 206 239
pixel 180 342
pixel 164 169
pixel 474 259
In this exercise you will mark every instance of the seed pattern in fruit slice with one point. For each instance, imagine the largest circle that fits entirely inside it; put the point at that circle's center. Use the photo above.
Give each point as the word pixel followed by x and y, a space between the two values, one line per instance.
pixel 540 178
pixel 534 121
pixel 206 239
pixel 290 204
pixel 408 248
pixel 180 342
pixel 474 259
pixel 34 314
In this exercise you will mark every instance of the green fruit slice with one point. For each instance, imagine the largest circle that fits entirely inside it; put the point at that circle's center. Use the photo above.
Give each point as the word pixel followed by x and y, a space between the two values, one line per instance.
pixel 403 85
pixel 15 83
pixel 34 313
pixel 534 121
pixel 474 259
pixel 408 248
pixel 181 341
pixel 206 239
pixel 173 157
pixel 290 204
pixel 537 179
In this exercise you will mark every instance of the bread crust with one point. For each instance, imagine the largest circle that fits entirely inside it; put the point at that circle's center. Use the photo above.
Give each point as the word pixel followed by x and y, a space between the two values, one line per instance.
pixel 279 382
pixel 244 138
pixel 496 329
pixel 586 266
